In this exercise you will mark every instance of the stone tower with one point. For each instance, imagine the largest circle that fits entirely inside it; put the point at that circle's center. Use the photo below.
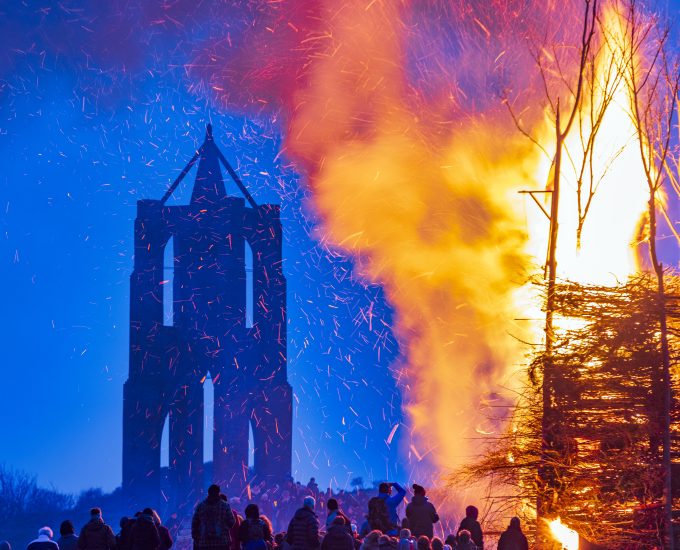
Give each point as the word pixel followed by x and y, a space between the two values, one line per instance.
pixel 207 335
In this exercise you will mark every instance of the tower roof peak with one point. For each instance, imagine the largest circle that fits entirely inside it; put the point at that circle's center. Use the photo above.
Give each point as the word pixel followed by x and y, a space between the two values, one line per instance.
pixel 209 186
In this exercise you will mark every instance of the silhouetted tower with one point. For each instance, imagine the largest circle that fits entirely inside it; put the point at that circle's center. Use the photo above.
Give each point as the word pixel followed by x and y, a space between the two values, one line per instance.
pixel 208 335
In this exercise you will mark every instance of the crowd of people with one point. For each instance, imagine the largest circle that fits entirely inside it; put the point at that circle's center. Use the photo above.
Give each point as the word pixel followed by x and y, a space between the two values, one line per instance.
pixel 217 525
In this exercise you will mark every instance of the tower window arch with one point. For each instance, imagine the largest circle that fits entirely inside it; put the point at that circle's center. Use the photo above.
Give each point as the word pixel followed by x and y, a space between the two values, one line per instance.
pixel 168 283
pixel 250 287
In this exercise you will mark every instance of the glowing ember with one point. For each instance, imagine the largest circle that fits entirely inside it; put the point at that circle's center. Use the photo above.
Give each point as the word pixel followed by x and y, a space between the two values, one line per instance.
pixel 567 537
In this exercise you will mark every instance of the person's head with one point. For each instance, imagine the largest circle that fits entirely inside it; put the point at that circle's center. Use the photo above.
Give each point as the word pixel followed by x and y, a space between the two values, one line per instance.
pixel 214 491
pixel 96 513
pixel 450 541
pixel 309 502
pixel 5 545
pixel 405 534
pixel 385 488
pixel 471 512
pixel 423 543
pixel 66 528
pixel 437 544
pixel 384 540
pixel 332 504
pixel 372 538
pixel 147 512
pixel 45 532
pixel 252 511
pixel 464 536
pixel 339 520
pixel 418 489
pixel 514 523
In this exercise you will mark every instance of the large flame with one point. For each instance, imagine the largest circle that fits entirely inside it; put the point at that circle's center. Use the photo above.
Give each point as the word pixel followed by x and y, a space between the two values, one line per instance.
pixel 605 252
pixel 567 537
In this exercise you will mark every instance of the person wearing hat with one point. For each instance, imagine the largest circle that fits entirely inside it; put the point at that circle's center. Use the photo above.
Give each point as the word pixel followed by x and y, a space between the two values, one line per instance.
pixel 212 522
pixel 303 529
pixel 95 534
pixel 513 538
pixel 421 513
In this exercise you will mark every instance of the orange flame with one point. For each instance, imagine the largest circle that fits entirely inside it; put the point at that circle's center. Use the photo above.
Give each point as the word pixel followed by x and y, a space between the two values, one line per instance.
pixel 436 219
pixel 568 538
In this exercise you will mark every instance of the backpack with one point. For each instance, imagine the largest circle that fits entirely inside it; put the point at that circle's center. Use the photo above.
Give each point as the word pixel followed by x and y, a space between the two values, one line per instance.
pixel 255 535
pixel 378 515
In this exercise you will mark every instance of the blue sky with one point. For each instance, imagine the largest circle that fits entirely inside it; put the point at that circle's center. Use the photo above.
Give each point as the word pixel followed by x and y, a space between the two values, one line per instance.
pixel 87 127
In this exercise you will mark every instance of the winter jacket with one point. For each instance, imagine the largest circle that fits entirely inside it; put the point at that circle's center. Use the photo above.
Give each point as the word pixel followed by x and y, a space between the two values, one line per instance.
pixel 211 524
pixel 255 534
pixel 144 535
pixel 166 537
pixel 513 539
pixel 421 516
pixel 68 542
pixel 475 529
pixel 393 502
pixel 337 538
pixel 96 535
pixel 43 542
pixel 303 530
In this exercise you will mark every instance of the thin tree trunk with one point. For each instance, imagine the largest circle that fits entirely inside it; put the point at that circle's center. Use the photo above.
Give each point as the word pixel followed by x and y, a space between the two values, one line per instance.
pixel 665 376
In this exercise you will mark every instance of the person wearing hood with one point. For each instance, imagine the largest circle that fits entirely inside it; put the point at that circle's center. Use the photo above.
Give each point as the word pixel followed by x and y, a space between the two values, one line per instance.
pixel 421 513
pixel 303 529
pixel 392 502
pixel 513 538
pixel 144 535
pixel 473 526
pixel 95 534
pixel 212 522
pixel 44 540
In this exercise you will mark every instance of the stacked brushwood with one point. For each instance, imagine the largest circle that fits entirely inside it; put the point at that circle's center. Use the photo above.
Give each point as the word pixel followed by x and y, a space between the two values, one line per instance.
pixel 605 464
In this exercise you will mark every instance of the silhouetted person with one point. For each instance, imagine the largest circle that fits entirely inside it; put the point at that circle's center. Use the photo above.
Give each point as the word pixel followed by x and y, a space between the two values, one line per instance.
pixel 464 541
pixel 392 502
pixel 471 524
pixel 378 517
pixel 44 540
pixel 95 534
pixel 334 512
pixel 163 533
pixel 405 541
pixel 123 536
pixel 254 533
pixel 303 529
pixel 513 538
pixel 423 543
pixel 144 535
pixel 212 522
pixel 436 543
pixel 313 486
pixel 68 539
pixel 337 537
pixel 421 513
pixel 371 540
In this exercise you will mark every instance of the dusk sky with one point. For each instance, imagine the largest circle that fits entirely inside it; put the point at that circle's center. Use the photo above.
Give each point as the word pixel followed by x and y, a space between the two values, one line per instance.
pixel 98 109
